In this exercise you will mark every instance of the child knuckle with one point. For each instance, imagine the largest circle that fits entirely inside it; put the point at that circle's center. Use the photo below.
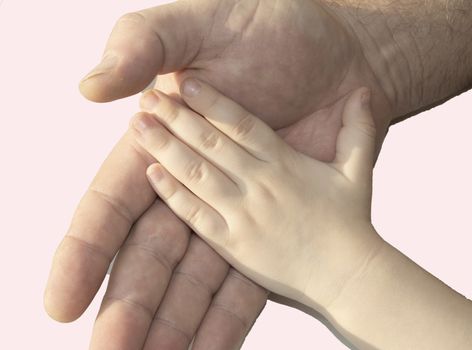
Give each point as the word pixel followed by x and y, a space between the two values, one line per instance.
pixel 210 141
pixel 193 215
pixel 161 142
pixel 196 172
pixel 245 126
pixel 212 101
pixel 367 127
pixel 170 114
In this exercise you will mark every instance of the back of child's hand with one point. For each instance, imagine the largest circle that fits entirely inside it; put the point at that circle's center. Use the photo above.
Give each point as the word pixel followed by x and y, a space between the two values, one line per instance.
pixel 295 225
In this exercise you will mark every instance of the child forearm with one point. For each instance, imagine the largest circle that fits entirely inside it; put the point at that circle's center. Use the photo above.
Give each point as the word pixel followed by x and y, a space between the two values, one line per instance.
pixel 392 303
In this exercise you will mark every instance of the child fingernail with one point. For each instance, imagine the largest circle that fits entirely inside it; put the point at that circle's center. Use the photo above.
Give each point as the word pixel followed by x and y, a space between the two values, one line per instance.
pixel 144 122
pixel 191 87
pixel 149 101
pixel 365 98
pixel 155 174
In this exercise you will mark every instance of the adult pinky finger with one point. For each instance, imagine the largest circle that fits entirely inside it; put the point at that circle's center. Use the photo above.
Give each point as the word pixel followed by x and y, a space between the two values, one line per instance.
pixel 197 214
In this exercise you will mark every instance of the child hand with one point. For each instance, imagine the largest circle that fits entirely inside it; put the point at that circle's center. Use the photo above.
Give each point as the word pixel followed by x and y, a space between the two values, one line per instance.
pixel 297 226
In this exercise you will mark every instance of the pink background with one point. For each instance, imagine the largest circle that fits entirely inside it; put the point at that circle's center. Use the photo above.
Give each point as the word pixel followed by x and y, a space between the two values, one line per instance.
pixel 52 142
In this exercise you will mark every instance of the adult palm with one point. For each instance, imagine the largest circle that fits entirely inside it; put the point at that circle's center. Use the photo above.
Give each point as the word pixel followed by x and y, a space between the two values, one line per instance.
pixel 290 62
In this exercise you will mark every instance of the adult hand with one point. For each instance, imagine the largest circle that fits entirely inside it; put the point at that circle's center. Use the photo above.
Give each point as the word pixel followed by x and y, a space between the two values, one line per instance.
pixel 253 54
pixel 283 61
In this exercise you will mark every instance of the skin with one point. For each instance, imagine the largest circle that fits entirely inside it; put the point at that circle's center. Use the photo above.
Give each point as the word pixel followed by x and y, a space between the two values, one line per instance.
pixel 307 60
pixel 229 176
pixel 323 251
pixel 210 174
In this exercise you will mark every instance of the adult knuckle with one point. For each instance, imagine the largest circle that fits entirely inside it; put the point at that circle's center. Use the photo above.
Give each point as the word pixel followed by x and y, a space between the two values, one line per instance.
pixel 92 248
pixel 159 256
pixel 234 313
pixel 194 280
pixel 171 325
pixel 119 207
pixel 146 234
pixel 133 302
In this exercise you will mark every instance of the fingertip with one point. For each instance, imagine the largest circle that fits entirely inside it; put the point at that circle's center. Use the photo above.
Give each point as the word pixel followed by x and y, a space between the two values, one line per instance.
pixel 203 98
pixel 190 87
pixel 149 100
pixel 356 141
pixel 159 179
pixel 58 304
pixel 132 120
pixel 92 85
pixel 155 172
pixel 366 122
pixel 87 90
pixel 94 89
pixel 163 182
pixel 357 111
pixel 359 99
pixel 365 96
pixel 57 314
pixel 116 84
pixel 76 275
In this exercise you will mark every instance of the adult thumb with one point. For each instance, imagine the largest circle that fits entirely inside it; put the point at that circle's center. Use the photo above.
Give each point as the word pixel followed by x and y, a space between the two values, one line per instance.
pixel 143 44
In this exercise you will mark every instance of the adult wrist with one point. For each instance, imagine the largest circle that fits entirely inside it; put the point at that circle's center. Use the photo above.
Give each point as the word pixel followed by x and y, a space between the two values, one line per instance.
pixel 421 55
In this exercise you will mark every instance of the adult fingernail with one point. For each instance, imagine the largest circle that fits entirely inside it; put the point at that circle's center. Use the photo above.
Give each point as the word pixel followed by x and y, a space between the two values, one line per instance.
pixel 191 87
pixel 365 98
pixel 105 66
pixel 149 101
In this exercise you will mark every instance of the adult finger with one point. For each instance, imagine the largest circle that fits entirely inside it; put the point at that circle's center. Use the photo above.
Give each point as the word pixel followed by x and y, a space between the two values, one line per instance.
pixel 142 44
pixel 139 279
pixel 194 282
pixel 118 195
pixel 232 313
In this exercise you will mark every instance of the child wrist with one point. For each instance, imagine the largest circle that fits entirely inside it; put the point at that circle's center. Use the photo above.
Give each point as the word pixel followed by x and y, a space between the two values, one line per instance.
pixel 349 267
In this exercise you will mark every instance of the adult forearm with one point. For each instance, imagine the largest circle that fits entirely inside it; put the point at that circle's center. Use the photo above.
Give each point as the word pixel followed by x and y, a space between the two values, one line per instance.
pixel 392 303
pixel 419 50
